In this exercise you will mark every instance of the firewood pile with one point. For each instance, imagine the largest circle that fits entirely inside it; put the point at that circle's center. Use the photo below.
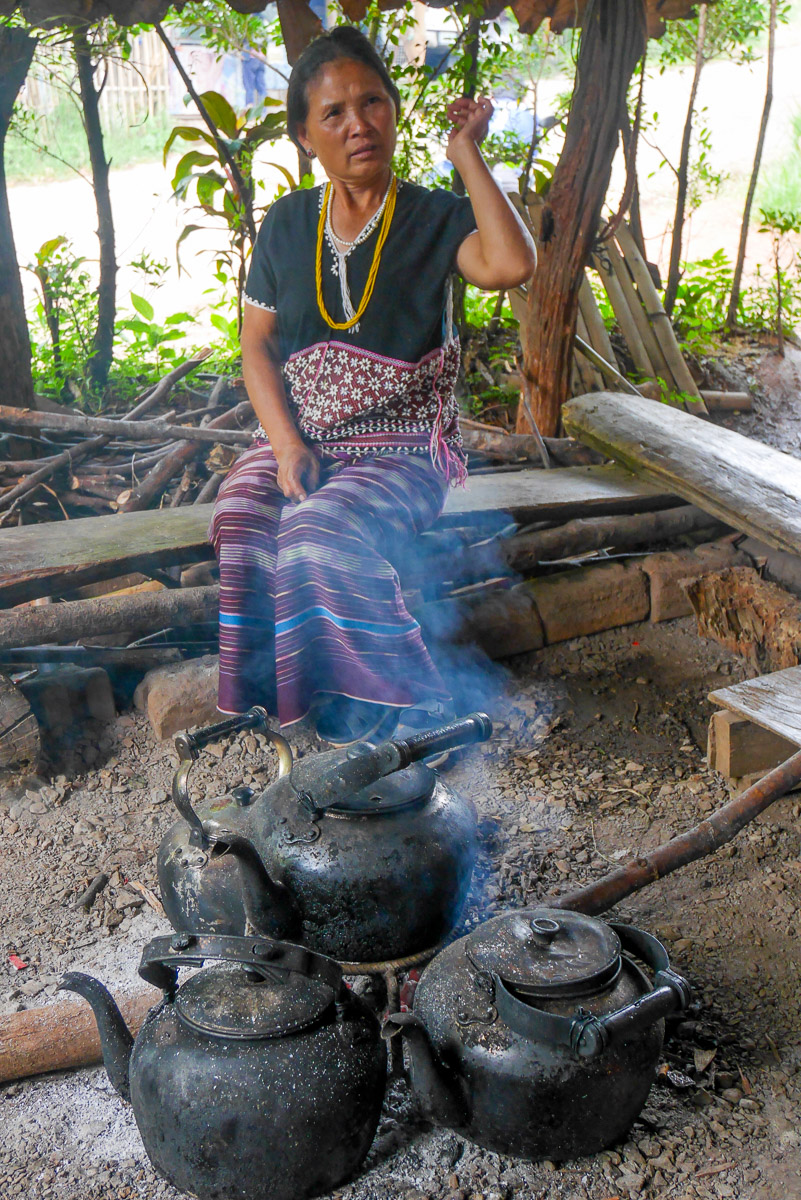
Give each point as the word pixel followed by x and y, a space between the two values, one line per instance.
pixel 88 465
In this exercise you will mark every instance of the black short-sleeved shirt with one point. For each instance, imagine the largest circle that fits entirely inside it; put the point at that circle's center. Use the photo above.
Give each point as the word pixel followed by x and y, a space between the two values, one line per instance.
pixel 404 317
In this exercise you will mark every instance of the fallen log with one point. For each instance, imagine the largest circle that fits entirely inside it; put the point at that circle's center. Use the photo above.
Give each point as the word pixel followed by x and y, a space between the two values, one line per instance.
pixel 688 847
pixel 151 431
pixel 751 486
pixel 514 447
pixel 58 1037
pixel 523 552
pixel 142 612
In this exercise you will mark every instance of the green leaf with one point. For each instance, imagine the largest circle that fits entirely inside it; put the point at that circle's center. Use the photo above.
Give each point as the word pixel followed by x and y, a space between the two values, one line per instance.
pixel 189 133
pixel 287 175
pixel 142 306
pixel 178 318
pixel 48 249
pixel 207 186
pixel 221 323
pixel 220 112
pixel 195 158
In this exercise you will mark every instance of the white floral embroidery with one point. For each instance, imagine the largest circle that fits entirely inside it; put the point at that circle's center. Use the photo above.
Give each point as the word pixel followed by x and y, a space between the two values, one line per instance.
pixel 258 304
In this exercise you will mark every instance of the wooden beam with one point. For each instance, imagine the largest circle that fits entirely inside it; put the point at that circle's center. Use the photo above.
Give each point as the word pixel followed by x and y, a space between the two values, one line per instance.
pixel 750 486
pixel 772 701
pixel 49 559
pixel 738 747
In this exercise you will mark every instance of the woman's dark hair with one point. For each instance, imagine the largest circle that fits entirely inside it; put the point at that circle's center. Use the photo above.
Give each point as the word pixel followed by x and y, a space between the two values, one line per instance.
pixel 344 41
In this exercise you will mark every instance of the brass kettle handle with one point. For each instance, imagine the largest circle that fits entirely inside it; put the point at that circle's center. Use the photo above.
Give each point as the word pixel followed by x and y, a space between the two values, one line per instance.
pixel 189 746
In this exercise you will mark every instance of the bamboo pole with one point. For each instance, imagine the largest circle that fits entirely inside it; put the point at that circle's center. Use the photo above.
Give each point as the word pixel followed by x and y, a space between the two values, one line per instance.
pixel 625 319
pixel 635 306
pixel 662 325
pixel 598 334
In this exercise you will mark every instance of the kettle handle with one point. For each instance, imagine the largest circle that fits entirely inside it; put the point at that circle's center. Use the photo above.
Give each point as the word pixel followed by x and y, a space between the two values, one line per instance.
pixel 587 1035
pixel 163 957
pixel 189 746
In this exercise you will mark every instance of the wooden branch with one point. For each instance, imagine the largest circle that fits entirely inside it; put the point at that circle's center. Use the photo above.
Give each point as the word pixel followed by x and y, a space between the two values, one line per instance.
pixel 58 1037
pixel 151 431
pixel 154 483
pixel 74 454
pixel 514 447
pixel 702 840
pixel 141 612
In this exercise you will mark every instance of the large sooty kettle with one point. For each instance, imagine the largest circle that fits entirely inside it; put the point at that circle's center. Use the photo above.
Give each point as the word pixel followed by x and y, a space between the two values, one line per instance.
pixel 537 1034
pixel 262 1075
pixel 363 853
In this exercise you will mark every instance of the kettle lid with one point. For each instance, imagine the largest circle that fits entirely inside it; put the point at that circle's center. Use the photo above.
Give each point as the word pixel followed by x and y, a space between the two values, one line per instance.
pixel 236 1002
pixel 550 953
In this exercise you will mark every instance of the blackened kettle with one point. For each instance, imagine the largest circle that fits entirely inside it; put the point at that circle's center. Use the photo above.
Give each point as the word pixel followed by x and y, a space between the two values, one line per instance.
pixel 363 854
pixel 537 1034
pixel 262 1075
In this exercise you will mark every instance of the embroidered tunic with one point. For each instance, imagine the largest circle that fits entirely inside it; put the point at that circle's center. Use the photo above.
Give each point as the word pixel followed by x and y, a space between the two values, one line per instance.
pixel 385 386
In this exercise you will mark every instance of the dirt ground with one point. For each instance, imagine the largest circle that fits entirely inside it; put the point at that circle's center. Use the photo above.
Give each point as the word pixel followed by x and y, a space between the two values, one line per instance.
pixel 599 754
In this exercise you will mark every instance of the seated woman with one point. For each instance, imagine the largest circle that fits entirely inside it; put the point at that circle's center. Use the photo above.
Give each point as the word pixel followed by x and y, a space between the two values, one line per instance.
pixel 350 360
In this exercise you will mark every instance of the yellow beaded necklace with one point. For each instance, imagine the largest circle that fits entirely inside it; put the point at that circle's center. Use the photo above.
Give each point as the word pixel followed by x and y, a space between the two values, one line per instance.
pixel 386 221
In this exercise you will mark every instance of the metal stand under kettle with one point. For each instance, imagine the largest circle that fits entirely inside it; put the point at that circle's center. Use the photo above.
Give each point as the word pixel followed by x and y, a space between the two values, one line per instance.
pixel 363 854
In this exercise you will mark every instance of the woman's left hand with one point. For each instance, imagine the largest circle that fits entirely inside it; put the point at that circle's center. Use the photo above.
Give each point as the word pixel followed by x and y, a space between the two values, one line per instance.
pixel 470 120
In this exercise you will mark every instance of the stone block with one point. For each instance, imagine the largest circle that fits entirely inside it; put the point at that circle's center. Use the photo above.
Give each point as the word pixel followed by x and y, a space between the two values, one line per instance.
pixel 64 696
pixel 668 570
pixel 590 600
pixel 180 696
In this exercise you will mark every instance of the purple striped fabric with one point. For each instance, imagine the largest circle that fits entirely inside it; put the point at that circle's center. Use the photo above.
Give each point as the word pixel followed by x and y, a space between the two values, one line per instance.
pixel 310 604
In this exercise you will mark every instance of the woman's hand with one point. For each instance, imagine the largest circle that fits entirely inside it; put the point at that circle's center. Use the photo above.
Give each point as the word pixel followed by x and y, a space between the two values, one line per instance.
pixel 298 471
pixel 470 120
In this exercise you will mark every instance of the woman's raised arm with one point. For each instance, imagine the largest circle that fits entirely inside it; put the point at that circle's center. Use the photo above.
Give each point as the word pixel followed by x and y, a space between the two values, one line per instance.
pixel 501 254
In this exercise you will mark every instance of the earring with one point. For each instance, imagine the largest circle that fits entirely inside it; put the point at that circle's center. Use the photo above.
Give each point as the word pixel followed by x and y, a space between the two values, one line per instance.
pixel 310 153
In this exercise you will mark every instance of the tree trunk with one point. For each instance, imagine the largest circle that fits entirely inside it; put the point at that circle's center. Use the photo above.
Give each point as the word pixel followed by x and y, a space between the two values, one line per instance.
pixel 16 382
pixel 734 299
pixel 674 268
pixel 613 39
pixel 103 341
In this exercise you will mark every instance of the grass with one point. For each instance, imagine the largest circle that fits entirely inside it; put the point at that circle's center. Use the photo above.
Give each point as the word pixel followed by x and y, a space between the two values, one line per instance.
pixel 61 131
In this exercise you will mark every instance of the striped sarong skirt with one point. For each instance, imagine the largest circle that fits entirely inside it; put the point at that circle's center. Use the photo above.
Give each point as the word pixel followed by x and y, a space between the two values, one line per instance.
pixel 310 603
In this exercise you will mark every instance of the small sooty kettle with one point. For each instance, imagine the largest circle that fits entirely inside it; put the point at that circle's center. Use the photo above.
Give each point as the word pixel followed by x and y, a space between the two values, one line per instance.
pixel 537 1034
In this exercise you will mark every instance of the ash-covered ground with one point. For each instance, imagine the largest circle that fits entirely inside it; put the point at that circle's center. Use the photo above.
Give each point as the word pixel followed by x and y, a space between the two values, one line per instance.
pixel 598 754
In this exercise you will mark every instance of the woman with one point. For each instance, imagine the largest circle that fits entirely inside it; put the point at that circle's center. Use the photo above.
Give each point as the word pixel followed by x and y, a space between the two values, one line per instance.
pixel 349 360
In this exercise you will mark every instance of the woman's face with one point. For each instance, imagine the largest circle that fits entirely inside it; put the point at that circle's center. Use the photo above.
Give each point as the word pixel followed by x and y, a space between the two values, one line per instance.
pixel 350 124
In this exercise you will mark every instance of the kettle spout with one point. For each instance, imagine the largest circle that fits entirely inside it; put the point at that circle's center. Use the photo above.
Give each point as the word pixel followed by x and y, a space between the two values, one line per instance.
pixel 435 1085
pixel 115 1037
pixel 269 908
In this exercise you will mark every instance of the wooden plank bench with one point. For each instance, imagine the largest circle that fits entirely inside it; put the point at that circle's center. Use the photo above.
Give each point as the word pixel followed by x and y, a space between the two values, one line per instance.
pixel 750 486
pixel 49 559
pixel 758 725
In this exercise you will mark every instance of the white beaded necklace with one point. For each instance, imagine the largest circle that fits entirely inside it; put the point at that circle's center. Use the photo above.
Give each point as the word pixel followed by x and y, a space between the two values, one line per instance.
pixel 340 265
